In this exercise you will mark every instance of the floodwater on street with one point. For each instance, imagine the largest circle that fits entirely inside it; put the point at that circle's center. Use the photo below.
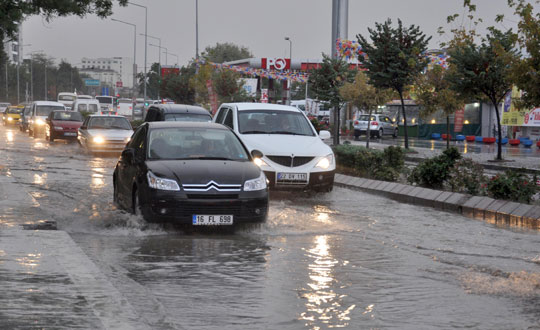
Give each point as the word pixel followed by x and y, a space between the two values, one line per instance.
pixel 345 259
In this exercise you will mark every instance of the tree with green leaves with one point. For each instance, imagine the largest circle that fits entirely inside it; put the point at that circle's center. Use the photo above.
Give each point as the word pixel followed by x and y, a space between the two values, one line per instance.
pixel 13 12
pixel 177 86
pixel 225 52
pixel 153 82
pixel 229 86
pixel 483 70
pixel 525 71
pixel 365 96
pixel 394 58
pixel 433 93
pixel 326 82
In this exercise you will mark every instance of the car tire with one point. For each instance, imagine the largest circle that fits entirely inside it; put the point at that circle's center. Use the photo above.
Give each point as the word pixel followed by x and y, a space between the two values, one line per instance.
pixel 380 133
pixel 115 193
pixel 395 134
pixel 135 206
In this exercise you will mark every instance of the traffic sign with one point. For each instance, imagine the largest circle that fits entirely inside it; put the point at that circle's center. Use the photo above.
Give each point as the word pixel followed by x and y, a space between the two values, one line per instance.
pixel 119 84
pixel 91 82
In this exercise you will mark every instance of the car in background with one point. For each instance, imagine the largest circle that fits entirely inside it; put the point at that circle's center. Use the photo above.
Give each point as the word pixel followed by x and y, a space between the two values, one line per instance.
pixel 124 107
pixel 107 104
pixel 177 112
pixel 91 106
pixel 192 173
pixel 300 104
pixel 295 157
pixel 3 106
pixel 12 114
pixel 84 97
pixel 379 125
pixel 39 113
pixel 25 116
pixel 104 133
pixel 63 125
pixel 138 111
pixel 67 99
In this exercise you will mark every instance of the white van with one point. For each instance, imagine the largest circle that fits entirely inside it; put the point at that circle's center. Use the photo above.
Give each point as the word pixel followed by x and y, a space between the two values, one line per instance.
pixel 107 104
pixel 87 105
pixel 67 99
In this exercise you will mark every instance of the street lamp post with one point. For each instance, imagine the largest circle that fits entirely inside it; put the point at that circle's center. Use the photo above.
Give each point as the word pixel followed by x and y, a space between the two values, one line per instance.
pixel 159 57
pixel 18 66
pixel 145 42
pixel 197 29
pixel 134 89
pixel 290 69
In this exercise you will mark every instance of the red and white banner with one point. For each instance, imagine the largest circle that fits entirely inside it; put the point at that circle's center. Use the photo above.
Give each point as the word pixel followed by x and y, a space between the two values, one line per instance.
pixel 212 96
pixel 458 120
pixel 264 95
pixel 276 63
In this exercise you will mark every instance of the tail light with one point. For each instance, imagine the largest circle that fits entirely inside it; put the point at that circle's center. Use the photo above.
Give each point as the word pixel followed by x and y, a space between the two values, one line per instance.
pixel 374 123
pixel 356 122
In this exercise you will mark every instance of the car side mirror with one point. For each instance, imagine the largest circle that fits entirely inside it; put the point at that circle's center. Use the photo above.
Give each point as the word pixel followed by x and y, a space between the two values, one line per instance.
pixel 128 155
pixel 324 135
pixel 256 153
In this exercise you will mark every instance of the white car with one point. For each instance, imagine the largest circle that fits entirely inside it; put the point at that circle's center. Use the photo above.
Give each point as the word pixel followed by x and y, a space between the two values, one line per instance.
pixel 294 155
pixel 105 133
pixel 38 114
pixel 379 125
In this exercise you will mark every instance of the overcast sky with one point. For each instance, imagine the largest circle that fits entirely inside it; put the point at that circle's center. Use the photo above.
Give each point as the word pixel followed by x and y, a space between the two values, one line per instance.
pixel 259 25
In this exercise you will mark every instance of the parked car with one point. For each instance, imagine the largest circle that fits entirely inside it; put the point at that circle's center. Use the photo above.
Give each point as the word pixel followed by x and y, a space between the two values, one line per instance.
pixel 177 112
pixel 39 113
pixel 12 114
pixel 104 133
pixel 190 173
pixel 87 105
pixel 63 125
pixel 379 125
pixel 25 116
pixel 295 157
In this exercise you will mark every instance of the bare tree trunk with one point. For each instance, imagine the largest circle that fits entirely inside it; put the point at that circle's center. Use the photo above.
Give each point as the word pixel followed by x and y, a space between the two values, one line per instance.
pixel 336 125
pixel 404 119
pixel 368 130
pixel 447 132
pixel 499 133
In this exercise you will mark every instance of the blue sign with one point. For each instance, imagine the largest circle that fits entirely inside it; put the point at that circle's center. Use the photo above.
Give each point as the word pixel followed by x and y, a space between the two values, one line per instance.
pixel 91 82
pixel 104 90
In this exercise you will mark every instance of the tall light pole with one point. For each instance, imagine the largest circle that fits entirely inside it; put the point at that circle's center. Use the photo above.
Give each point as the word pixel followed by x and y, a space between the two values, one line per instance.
pixel 19 56
pixel 32 73
pixel 134 89
pixel 290 69
pixel 145 42
pixel 159 58
pixel 197 29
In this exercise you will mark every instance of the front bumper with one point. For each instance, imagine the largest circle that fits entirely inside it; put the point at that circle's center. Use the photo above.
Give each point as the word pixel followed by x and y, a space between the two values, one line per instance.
pixel 316 181
pixel 178 207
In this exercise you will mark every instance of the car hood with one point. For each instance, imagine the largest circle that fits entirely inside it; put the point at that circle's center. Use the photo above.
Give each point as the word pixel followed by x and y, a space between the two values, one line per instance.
pixel 204 171
pixel 111 133
pixel 286 145
pixel 67 123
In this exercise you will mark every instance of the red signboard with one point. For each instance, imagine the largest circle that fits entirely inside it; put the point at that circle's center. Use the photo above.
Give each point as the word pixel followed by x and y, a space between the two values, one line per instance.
pixel 264 95
pixel 276 63
pixel 458 120
pixel 119 84
pixel 167 71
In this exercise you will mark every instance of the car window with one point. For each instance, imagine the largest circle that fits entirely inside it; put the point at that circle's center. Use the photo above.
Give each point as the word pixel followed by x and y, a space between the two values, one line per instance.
pixel 14 110
pixel 137 141
pixel 109 123
pixel 93 107
pixel 67 116
pixel 365 118
pixel 221 114
pixel 45 110
pixel 195 143
pixel 273 122
pixel 228 121
pixel 187 117
pixel 82 107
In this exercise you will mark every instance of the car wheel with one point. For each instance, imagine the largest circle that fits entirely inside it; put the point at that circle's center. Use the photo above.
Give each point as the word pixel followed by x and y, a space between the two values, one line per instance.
pixel 115 193
pixel 380 133
pixel 136 207
pixel 395 133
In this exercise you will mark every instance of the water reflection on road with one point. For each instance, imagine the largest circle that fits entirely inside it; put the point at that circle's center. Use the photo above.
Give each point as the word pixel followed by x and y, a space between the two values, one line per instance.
pixel 345 259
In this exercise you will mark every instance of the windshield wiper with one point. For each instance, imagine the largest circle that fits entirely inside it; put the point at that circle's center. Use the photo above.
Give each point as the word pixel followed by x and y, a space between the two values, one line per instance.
pixel 254 132
pixel 212 158
pixel 120 127
pixel 285 132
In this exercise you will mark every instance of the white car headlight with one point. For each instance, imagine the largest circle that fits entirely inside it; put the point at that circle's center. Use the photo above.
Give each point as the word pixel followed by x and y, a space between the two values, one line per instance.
pixel 58 128
pixel 259 162
pixel 127 139
pixel 325 162
pixel 98 139
pixel 9 118
pixel 256 184
pixel 161 183
pixel 40 122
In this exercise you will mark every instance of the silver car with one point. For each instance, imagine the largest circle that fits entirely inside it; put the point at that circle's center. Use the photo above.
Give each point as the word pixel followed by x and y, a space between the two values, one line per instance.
pixel 104 133
pixel 379 125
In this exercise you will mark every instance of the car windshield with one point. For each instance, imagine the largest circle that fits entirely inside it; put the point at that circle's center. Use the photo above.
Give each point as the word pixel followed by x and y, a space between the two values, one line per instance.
pixel 14 110
pixel 365 118
pixel 187 117
pixel 273 122
pixel 109 123
pixel 67 116
pixel 195 143
pixel 45 110
pixel 104 99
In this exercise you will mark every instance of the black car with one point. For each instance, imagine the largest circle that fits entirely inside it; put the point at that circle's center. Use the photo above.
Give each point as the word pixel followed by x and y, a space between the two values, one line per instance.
pixel 177 112
pixel 190 173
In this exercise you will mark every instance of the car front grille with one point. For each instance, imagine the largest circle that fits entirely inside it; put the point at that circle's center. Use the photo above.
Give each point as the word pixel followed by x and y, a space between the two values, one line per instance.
pixel 290 161
pixel 236 208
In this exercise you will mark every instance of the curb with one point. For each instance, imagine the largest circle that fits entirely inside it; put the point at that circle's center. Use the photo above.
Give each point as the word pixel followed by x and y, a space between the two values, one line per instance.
pixel 491 210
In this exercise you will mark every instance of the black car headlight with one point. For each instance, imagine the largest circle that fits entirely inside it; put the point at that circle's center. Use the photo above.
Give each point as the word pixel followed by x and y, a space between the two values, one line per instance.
pixel 161 183
pixel 256 184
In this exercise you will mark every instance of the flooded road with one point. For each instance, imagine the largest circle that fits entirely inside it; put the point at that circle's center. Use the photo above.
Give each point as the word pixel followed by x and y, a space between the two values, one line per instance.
pixel 346 259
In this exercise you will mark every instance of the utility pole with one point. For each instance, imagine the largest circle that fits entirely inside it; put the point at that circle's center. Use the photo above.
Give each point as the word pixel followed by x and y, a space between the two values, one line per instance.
pixel 197 29
pixel 145 43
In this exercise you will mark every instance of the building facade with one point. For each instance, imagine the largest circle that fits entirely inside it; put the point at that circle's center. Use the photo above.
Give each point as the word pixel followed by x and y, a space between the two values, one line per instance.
pixel 109 70
pixel 12 48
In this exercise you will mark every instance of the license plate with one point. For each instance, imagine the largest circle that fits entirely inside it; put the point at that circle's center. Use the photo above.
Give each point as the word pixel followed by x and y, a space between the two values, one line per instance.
pixel 212 220
pixel 70 134
pixel 294 177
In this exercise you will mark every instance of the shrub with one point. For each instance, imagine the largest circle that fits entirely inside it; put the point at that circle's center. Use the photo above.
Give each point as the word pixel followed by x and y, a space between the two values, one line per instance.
pixel 316 124
pixel 512 185
pixel 434 171
pixel 345 155
pixel 380 165
pixel 466 176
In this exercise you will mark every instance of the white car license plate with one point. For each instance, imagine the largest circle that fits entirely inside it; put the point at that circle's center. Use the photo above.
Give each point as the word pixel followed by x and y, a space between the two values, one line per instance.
pixel 212 220
pixel 70 134
pixel 294 177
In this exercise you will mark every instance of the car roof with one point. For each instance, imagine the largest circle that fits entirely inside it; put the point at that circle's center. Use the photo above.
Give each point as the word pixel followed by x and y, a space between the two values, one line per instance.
pixel 261 106
pixel 87 101
pixel 185 124
pixel 181 108
pixel 48 103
